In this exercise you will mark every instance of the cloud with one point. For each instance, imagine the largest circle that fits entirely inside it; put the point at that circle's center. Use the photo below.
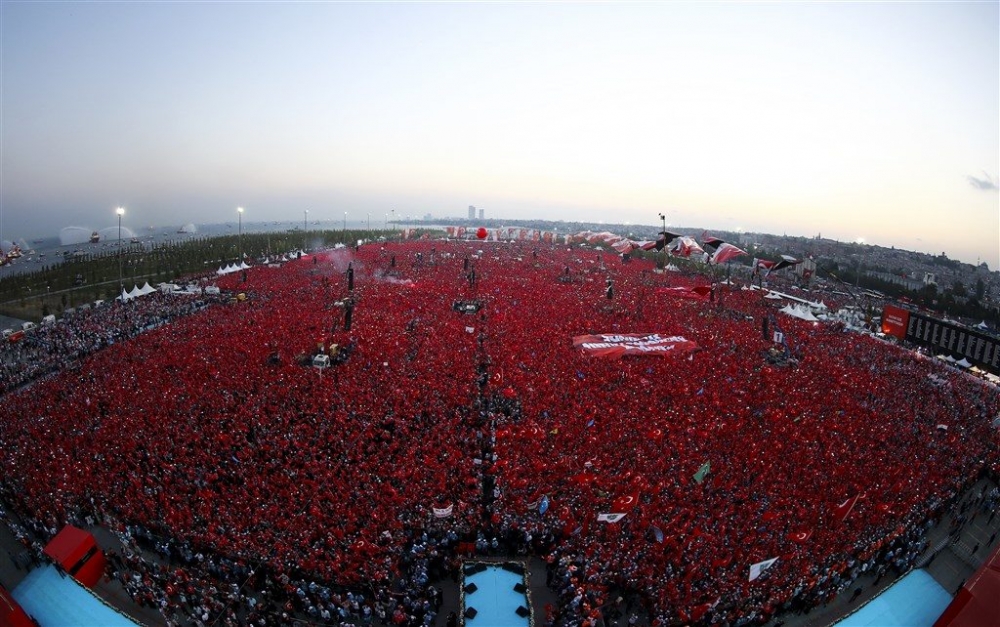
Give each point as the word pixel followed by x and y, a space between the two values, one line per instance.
pixel 986 184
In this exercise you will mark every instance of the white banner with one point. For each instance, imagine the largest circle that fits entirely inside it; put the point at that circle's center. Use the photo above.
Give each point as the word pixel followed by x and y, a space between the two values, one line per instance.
pixel 760 567
pixel 610 518
pixel 617 345
pixel 443 512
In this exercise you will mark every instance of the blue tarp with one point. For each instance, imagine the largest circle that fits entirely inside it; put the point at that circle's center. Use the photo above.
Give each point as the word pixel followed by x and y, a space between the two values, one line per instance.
pixel 56 600
pixel 916 600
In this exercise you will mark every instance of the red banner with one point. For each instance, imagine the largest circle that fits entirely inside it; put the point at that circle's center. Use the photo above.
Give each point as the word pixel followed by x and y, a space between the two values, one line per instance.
pixel 895 321
pixel 619 345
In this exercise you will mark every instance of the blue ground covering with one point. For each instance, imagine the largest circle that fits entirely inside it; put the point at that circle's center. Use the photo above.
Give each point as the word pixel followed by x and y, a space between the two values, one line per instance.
pixel 57 601
pixel 495 600
pixel 914 601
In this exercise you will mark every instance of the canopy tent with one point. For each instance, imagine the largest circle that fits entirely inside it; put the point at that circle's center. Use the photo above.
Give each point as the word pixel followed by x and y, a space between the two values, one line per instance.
pixel 799 311
pixel 146 289
pixel 231 268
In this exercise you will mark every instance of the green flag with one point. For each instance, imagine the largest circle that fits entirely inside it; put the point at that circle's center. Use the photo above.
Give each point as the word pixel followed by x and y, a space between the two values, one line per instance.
pixel 702 472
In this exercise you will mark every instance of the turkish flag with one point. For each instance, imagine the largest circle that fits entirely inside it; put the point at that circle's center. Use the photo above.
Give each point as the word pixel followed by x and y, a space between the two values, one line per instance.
pixel 800 536
pixel 843 510
pixel 625 503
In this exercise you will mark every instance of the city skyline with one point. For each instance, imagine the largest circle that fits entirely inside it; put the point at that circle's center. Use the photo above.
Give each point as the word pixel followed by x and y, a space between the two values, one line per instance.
pixel 858 121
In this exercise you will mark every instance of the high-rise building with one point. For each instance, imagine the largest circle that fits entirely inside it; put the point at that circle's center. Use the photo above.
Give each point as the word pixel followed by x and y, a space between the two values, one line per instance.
pixel 472 212
pixel 481 213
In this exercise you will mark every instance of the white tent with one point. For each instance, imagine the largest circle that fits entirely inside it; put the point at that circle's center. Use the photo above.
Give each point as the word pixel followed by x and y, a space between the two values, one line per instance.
pixel 800 312
pixel 244 266
pixel 773 296
pixel 135 292
pixel 147 289
pixel 964 363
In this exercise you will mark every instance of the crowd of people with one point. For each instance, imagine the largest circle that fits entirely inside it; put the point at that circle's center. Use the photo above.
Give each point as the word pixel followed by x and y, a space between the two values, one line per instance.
pixel 343 492
pixel 53 347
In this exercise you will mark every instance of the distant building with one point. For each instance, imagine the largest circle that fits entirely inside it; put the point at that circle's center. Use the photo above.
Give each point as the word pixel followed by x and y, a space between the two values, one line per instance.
pixel 930 278
pixel 428 217
pixel 482 213
pixel 472 212
pixel 888 277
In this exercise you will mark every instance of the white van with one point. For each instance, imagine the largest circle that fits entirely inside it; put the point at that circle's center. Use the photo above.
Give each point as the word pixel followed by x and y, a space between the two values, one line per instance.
pixel 48 320
pixel 27 326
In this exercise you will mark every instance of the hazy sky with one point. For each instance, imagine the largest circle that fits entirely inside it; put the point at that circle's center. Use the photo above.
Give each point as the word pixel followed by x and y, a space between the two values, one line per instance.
pixel 873 120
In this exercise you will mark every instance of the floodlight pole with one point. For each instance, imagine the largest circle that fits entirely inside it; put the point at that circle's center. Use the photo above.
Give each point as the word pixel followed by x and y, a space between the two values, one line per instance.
pixel 239 212
pixel 121 283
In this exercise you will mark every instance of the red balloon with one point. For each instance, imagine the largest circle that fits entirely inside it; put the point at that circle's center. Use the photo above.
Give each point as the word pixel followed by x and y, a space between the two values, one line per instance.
pixel 481 233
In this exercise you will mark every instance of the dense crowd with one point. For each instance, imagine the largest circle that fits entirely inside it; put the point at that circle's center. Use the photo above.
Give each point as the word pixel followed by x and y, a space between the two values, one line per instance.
pixel 53 347
pixel 343 492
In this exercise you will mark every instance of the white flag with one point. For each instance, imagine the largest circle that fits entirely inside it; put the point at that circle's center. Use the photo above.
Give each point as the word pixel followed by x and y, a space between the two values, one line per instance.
pixel 610 518
pixel 443 512
pixel 757 569
pixel 470 329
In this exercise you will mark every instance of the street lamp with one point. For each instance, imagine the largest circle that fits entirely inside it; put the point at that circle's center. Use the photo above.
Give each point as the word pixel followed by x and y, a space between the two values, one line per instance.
pixel 305 228
pixel 369 220
pixel 345 221
pixel 239 212
pixel 121 285
pixel 387 222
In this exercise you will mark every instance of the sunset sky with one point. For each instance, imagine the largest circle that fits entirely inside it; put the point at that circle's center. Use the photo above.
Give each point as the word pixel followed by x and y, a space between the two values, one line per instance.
pixel 873 120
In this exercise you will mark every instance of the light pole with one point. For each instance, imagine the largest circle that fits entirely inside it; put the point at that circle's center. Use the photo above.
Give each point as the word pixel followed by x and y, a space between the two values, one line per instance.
pixel 305 228
pixel 387 222
pixel 369 220
pixel 345 221
pixel 121 285
pixel 239 212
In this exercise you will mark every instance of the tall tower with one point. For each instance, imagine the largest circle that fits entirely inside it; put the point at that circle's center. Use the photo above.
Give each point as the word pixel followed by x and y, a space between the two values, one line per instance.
pixel 472 212
pixel 481 213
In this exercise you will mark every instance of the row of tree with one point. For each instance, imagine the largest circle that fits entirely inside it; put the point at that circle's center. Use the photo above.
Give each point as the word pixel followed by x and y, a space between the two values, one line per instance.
pixel 94 276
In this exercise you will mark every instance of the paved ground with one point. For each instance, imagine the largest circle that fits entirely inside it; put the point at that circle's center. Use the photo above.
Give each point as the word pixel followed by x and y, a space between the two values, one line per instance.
pixel 6 322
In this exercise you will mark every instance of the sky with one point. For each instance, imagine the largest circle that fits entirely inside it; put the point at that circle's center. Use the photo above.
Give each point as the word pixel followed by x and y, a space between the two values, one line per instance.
pixel 873 121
